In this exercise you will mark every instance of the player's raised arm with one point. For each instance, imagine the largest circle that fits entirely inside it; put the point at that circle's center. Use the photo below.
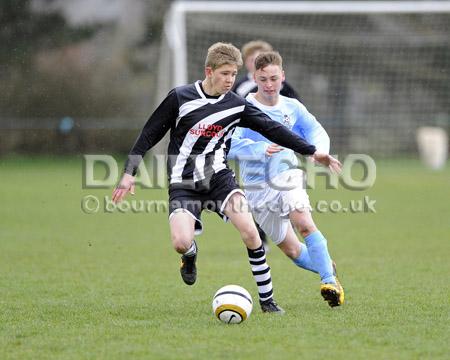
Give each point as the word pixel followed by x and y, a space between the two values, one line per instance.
pixel 307 126
pixel 154 130
pixel 256 120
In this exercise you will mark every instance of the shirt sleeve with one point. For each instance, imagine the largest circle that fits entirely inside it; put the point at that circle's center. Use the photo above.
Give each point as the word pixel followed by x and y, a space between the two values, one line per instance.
pixel 242 146
pixel 258 121
pixel 162 119
pixel 309 128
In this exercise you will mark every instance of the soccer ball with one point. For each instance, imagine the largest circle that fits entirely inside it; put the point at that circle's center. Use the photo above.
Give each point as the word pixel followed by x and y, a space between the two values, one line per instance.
pixel 232 304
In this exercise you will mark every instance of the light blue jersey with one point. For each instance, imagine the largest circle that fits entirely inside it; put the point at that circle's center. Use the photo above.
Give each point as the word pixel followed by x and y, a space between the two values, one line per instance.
pixel 249 147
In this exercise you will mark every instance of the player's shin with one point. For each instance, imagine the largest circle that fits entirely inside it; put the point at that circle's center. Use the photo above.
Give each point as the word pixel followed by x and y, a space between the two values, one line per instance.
pixel 261 272
pixel 304 260
pixel 320 258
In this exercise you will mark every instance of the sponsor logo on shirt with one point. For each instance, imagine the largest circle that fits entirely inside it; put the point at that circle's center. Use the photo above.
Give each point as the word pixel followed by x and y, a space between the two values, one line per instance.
pixel 287 121
pixel 207 130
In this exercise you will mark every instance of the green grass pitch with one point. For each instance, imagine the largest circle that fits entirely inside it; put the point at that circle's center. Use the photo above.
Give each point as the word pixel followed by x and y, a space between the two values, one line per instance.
pixel 107 285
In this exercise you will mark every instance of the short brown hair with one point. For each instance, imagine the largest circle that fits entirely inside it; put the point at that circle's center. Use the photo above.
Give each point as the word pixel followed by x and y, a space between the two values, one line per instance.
pixel 253 46
pixel 268 58
pixel 223 53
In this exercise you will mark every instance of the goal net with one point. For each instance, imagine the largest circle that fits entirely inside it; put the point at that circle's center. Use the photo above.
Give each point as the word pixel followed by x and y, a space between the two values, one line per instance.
pixel 371 72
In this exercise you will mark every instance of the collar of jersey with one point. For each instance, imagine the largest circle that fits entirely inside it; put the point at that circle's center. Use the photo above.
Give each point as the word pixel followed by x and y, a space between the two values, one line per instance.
pixel 253 100
pixel 202 94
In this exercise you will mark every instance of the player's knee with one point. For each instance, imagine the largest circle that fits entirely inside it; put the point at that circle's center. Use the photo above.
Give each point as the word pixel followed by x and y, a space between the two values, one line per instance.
pixel 181 243
pixel 181 247
pixel 307 231
pixel 303 223
pixel 305 228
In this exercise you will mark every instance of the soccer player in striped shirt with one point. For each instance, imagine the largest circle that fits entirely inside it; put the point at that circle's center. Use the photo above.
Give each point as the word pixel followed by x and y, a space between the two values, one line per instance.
pixel 274 185
pixel 201 118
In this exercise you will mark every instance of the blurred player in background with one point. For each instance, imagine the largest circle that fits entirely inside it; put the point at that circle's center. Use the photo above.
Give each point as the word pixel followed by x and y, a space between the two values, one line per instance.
pixel 202 117
pixel 247 84
pixel 274 186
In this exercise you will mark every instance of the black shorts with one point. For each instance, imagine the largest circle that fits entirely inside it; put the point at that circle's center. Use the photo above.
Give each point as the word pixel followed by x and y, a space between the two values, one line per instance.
pixel 195 199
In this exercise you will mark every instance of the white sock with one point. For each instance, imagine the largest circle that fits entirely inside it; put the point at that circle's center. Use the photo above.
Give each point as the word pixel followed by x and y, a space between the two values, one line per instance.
pixel 192 250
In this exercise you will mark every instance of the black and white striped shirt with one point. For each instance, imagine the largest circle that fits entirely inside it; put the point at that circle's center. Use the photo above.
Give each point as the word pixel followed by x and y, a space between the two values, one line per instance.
pixel 201 128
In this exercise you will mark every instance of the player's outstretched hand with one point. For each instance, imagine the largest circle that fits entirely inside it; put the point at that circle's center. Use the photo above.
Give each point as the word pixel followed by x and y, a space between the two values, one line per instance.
pixel 126 185
pixel 273 148
pixel 327 160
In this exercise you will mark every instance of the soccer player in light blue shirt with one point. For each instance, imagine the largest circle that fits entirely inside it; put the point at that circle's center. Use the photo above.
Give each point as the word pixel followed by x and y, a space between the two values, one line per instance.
pixel 274 186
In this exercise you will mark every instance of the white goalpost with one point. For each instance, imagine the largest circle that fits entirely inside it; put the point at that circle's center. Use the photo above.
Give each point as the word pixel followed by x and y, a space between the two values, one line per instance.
pixel 372 72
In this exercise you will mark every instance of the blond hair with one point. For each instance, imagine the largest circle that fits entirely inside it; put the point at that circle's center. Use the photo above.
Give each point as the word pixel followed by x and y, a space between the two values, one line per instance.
pixel 223 53
pixel 268 58
pixel 253 46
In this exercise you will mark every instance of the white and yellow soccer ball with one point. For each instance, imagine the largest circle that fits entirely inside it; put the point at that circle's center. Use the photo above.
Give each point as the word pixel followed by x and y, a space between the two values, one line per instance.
pixel 232 304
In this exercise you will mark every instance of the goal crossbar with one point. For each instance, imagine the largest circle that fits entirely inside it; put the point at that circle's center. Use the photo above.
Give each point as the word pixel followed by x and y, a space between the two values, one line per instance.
pixel 316 7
